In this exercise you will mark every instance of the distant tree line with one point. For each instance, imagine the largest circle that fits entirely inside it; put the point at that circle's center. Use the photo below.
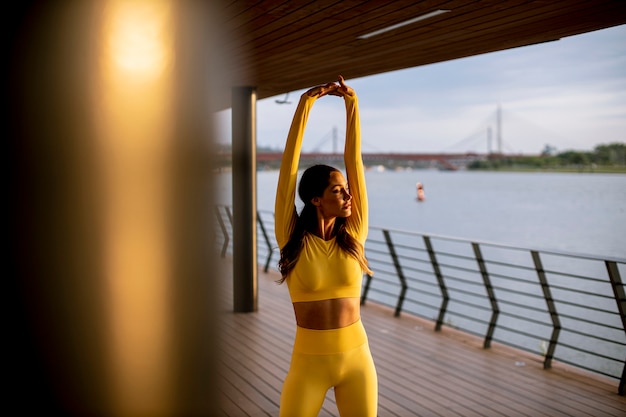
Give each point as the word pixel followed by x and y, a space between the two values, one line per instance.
pixel 606 158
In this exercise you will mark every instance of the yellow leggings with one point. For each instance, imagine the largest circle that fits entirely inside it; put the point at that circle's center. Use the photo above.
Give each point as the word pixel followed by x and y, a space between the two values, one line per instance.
pixel 323 359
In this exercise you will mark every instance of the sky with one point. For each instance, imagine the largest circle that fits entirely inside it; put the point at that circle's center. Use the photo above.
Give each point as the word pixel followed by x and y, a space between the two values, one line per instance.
pixel 569 94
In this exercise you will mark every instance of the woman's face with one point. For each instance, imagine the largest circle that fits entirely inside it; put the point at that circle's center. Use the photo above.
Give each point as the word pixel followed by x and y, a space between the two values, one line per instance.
pixel 336 200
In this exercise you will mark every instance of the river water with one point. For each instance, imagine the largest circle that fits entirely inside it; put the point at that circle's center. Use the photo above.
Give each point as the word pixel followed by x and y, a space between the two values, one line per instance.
pixel 581 213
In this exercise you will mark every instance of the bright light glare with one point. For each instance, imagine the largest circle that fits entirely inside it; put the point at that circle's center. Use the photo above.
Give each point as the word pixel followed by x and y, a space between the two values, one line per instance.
pixel 134 93
pixel 138 35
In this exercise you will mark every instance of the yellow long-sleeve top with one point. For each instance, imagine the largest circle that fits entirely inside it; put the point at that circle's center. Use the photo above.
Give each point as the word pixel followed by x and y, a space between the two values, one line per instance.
pixel 323 270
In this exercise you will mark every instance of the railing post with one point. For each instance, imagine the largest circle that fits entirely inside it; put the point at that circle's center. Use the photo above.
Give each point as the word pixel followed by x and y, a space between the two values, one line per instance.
pixel 224 231
pixel 445 298
pixel 396 263
pixel 495 311
pixel 554 316
pixel 620 299
pixel 229 215
pixel 267 241
pixel 366 288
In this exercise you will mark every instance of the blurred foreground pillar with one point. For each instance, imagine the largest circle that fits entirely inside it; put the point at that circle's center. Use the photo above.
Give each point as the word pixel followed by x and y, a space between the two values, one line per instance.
pixel 112 276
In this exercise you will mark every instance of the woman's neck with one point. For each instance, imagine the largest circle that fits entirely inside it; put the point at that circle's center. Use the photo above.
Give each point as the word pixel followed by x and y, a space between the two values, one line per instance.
pixel 326 228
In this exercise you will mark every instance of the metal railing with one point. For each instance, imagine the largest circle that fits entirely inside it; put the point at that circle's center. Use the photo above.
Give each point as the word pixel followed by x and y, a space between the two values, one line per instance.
pixel 563 306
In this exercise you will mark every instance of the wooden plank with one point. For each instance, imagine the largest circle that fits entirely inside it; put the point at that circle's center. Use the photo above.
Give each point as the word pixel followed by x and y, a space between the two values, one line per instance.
pixel 257 349
pixel 469 376
pixel 516 384
pixel 421 372
pixel 430 373
pixel 281 45
pixel 238 392
pixel 304 43
pixel 459 36
pixel 438 40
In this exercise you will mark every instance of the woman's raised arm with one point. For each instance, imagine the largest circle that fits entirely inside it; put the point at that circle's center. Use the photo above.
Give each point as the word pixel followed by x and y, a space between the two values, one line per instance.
pixel 284 208
pixel 357 223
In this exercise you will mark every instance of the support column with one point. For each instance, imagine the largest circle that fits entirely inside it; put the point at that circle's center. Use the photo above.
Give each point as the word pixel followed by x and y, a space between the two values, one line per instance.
pixel 244 199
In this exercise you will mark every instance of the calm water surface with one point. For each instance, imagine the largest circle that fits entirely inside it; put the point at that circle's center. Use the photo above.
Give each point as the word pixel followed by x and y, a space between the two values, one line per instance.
pixel 583 213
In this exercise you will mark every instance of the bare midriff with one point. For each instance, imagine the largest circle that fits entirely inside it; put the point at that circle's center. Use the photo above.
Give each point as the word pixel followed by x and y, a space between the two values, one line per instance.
pixel 327 314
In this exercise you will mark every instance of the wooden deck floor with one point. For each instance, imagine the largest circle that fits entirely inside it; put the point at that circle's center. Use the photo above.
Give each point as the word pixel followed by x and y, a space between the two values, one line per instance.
pixel 421 372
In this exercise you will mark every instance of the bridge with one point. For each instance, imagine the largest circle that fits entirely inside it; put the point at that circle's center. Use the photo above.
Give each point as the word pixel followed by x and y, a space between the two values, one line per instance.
pixel 446 161
pixel 327 149
pixel 443 161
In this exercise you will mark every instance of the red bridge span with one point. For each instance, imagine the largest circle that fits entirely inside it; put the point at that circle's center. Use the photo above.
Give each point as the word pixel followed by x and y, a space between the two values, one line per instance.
pixel 449 161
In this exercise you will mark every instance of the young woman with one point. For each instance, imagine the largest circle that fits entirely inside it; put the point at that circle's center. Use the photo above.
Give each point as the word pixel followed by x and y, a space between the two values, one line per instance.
pixel 322 261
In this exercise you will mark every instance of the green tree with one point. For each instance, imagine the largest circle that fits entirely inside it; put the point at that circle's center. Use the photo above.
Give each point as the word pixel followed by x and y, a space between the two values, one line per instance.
pixel 611 154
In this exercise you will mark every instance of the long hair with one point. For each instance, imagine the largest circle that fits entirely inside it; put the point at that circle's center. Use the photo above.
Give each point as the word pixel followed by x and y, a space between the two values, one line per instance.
pixel 314 181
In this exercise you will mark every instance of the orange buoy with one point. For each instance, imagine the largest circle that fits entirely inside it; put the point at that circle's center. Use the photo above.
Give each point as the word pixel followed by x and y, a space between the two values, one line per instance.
pixel 420 192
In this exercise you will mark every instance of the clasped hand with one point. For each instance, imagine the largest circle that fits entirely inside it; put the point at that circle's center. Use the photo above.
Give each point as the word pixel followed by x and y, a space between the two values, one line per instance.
pixel 334 89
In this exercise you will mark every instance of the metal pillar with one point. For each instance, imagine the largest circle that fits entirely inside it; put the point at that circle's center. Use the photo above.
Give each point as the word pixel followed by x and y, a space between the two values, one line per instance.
pixel 244 199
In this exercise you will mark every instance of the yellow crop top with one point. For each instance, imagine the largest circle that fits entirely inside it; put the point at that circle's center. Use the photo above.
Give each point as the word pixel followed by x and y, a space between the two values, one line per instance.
pixel 323 270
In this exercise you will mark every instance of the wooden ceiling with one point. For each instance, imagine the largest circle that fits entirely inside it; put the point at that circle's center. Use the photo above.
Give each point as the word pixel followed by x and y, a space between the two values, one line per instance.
pixel 280 46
